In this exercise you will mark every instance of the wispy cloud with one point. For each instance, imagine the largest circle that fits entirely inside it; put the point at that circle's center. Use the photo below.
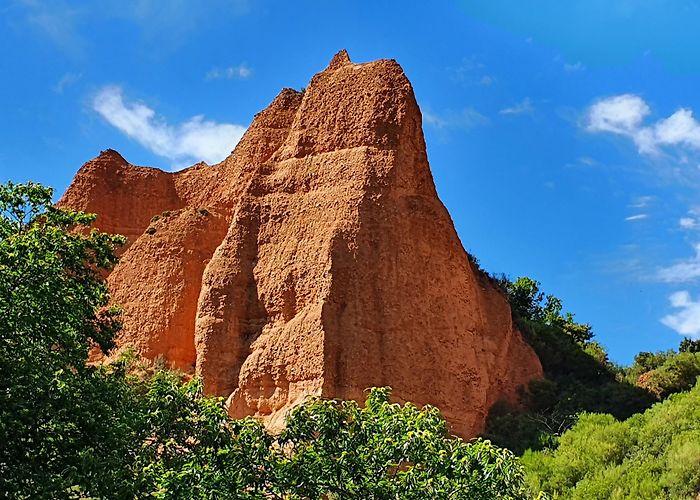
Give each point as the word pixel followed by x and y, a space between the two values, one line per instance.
pixel 466 118
pixel 683 271
pixel 523 107
pixel 240 72
pixel 487 80
pixel 66 81
pixel 624 115
pixel 166 22
pixel 686 321
pixel 433 120
pixel 636 217
pixel 573 68
pixel 57 21
pixel 588 161
pixel 688 223
pixel 691 222
pixel 194 140
pixel 641 201
pixel 472 72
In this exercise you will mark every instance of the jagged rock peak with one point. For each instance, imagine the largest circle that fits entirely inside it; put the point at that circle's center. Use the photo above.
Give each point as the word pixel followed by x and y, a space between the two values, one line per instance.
pixel 342 58
pixel 112 154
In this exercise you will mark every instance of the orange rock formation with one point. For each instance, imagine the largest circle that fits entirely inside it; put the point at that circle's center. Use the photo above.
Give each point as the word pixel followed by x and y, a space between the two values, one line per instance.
pixel 316 259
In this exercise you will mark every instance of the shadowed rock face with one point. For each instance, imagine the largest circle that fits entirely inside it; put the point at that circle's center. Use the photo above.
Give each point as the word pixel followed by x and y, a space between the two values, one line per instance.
pixel 316 259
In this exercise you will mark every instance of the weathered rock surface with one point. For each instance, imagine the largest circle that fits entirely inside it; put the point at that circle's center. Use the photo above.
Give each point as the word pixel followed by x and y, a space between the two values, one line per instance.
pixel 316 259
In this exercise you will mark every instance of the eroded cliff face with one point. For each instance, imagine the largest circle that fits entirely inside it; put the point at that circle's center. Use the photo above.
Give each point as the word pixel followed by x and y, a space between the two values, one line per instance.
pixel 316 259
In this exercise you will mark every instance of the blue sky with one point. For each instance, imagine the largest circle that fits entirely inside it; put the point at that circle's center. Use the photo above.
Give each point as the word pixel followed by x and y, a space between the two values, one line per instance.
pixel 561 135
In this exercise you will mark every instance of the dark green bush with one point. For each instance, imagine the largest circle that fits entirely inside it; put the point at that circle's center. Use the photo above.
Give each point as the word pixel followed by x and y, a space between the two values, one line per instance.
pixel 578 375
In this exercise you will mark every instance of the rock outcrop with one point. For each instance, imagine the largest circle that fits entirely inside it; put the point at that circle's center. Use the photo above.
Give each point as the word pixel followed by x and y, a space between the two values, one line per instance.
pixel 316 259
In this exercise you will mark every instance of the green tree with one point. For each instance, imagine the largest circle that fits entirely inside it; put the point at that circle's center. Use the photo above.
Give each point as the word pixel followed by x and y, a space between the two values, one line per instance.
pixel 61 422
pixel 678 373
pixel 689 345
pixel 339 450
pixel 531 304
pixel 192 449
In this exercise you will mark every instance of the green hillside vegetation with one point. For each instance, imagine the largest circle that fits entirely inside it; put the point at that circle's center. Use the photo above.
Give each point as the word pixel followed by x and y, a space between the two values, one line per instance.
pixel 665 373
pixel 578 375
pixel 602 431
pixel 651 455
pixel 127 430
pixel 130 429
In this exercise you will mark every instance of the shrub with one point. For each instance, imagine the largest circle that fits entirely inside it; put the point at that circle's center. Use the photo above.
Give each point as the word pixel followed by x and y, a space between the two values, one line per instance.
pixel 578 375
pixel 655 454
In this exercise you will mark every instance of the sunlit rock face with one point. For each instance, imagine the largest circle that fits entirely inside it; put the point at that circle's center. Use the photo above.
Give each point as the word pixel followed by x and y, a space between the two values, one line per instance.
pixel 317 259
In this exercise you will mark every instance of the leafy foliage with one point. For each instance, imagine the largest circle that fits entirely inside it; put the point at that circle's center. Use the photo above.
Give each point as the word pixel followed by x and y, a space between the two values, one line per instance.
pixel 530 304
pixel 578 375
pixel 666 372
pixel 651 455
pixel 71 430
pixel 689 345
pixel 192 449
pixel 339 450
pixel 645 362
pixel 58 424
pixel 678 373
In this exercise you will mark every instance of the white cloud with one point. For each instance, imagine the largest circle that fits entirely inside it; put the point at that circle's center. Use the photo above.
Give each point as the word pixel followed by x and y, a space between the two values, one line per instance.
pixel 240 72
pixel 691 221
pixel 679 128
pixel 688 223
pixel 686 321
pixel 683 271
pixel 624 115
pixel 194 140
pixel 636 217
pixel 524 106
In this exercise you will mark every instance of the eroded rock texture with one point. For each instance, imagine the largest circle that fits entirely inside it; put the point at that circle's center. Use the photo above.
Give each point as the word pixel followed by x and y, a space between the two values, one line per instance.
pixel 316 259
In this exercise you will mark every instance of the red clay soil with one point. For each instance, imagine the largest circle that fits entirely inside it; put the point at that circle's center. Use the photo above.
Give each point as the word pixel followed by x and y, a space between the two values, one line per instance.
pixel 316 259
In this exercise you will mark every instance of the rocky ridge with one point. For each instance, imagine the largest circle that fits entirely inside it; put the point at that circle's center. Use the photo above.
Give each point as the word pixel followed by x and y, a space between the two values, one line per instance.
pixel 316 259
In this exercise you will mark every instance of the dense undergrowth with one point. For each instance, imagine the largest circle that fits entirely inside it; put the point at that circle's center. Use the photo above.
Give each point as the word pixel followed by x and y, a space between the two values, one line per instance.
pixel 590 429
pixel 652 455
pixel 594 430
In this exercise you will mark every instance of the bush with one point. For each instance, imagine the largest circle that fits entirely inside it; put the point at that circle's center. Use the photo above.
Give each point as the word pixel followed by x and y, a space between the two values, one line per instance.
pixel 651 455
pixel 678 373
pixel 578 375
